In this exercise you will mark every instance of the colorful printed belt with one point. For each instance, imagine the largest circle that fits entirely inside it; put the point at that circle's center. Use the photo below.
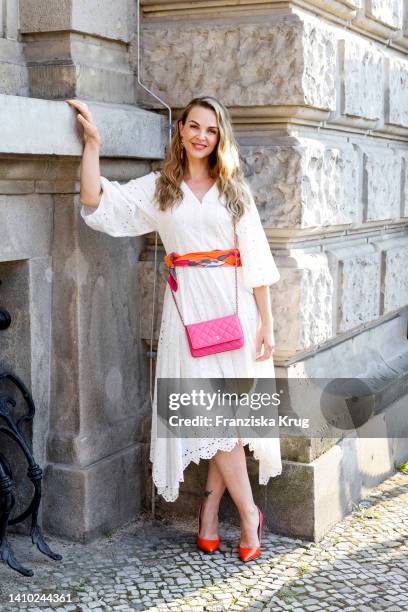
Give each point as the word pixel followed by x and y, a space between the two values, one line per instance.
pixel 207 259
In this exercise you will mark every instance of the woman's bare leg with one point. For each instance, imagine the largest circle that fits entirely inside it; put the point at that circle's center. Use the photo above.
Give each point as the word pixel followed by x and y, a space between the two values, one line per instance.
pixel 233 469
pixel 209 513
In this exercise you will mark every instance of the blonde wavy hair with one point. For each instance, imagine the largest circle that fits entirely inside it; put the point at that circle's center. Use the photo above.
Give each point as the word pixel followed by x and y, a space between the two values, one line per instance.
pixel 223 162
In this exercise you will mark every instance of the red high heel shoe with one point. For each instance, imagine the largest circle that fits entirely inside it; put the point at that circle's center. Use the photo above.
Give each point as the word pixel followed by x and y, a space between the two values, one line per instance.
pixel 247 553
pixel 208 546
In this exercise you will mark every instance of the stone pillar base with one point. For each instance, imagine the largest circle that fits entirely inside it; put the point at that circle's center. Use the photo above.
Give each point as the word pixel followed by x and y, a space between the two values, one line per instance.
pixel 81 503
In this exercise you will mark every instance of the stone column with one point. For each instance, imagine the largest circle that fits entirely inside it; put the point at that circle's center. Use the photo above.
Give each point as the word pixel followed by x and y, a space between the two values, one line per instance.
pixel 318 96
pixel 79 48
pixel 81 307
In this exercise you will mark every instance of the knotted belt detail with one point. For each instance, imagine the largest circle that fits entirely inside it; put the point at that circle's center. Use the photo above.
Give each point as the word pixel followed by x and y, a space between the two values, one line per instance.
pixel 206 259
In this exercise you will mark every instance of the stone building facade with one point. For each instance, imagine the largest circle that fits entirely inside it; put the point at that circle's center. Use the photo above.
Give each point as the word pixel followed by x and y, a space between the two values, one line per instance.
pixel 318 92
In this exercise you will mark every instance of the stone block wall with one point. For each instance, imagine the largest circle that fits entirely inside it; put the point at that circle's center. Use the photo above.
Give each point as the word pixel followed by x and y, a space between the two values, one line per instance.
pixel 317 92
pixel 14 77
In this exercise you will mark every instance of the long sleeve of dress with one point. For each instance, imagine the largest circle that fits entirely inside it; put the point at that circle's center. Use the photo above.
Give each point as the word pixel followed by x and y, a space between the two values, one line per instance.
pixel 258 265
pixel 124 209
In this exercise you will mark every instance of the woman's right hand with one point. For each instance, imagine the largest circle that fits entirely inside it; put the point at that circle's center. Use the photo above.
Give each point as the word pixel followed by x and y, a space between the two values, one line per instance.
pixel 84 116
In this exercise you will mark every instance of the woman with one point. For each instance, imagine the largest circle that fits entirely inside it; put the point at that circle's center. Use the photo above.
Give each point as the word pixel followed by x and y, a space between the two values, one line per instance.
pixel 191 202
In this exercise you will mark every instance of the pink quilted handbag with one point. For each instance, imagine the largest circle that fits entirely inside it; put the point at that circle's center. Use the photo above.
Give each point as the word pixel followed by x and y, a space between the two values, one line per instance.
pixel 215 335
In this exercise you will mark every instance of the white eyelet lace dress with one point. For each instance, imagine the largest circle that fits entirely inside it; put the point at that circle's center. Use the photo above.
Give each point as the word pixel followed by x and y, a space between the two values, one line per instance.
pixel 203 293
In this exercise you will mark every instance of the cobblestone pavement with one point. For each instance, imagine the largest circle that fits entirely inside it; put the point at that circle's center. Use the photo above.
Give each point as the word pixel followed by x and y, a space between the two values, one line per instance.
pixel 362 564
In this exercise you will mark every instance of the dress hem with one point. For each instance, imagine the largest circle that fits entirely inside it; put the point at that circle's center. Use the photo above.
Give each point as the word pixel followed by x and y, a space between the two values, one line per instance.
pixel 173 493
